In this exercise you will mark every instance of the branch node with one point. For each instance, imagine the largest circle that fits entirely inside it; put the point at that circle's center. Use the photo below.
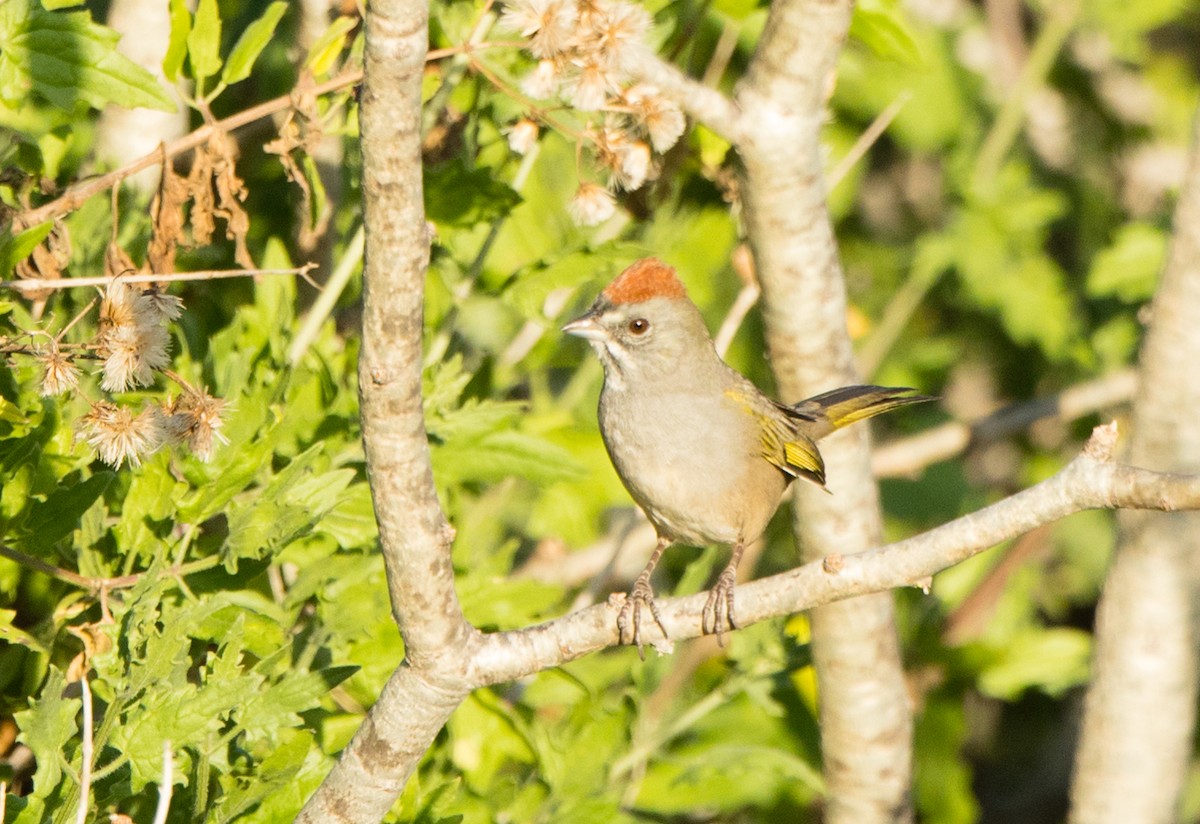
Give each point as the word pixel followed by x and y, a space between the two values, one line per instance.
pixel 833 563
pixel 924 584
pixel 1103 443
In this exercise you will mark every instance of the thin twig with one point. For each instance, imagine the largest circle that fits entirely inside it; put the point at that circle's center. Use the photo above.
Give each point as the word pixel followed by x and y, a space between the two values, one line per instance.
pixel 99 584
pixel 742 305
pixel 85 777
pixel 166 785
pixel 867 139
pixel 909 455
pixel 154 277
pixel 323 306
pixel 75 195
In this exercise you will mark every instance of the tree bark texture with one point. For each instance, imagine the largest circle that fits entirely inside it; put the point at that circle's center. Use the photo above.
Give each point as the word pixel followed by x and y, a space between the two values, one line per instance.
pixel 414 535
pixel 1139 715
pixel 866 721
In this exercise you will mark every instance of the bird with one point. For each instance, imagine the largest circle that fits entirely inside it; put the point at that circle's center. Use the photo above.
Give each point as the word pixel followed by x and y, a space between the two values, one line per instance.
pixel 703 452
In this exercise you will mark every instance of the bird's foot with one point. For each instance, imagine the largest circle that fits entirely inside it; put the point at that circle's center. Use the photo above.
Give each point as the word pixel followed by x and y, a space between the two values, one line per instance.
pixel 718 615
pixel 641 595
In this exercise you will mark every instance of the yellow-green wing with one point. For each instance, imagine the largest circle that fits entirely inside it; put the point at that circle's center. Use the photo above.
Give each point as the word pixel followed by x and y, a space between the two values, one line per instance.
pixel 783 445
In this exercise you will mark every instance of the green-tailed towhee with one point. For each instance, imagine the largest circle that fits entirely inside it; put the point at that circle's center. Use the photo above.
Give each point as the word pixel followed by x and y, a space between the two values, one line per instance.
pixel 701 450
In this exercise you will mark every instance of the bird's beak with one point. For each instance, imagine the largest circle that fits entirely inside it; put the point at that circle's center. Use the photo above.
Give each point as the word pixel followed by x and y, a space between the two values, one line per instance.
pixel 585 327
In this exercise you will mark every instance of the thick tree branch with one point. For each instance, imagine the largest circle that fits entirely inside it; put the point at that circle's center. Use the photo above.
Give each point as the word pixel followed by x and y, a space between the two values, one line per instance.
pixel 866 723
pixel 1136 742
pixel 414 535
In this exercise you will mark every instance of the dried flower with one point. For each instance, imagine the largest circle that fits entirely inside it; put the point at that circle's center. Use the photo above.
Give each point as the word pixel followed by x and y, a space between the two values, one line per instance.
pixel 194 419
pixel 119 308
pixel 588 89
pixel 543 81
pixel 160 305
pixel 618 31
pixel 118 436
pixel 132 354
pixel 522 136
pixel 59 372
pixel 549 24
pixel 592 205
pixel 661 119
pixel 635 165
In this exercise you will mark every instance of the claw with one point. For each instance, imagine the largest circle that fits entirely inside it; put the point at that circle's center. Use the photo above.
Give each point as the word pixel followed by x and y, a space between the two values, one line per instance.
pixel 641 595
pixel 718 614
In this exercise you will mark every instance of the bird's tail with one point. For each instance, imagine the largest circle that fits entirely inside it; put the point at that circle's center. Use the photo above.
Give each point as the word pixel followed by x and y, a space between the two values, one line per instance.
pixel 842 407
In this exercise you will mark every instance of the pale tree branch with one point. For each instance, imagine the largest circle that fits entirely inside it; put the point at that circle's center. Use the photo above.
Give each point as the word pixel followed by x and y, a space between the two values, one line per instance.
pixel 866 721
pixel 1140 711
pixel 698 101
pixel 907 456
pixel 1091 481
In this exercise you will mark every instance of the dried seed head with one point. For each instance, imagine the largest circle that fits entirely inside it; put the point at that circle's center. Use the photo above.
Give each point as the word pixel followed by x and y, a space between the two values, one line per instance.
pixel 549 24
pixel 618 32
pixel 588 88
pixel 661 119
pixel 59 372
pixel 543 81
pixel 195 420
pixel 118 436
pixel 523 136
pixel 161 306
pixel 592 205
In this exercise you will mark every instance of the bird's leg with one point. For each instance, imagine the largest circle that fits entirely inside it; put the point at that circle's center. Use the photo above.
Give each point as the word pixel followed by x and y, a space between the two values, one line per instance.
pixel 718 612
pixel 642 593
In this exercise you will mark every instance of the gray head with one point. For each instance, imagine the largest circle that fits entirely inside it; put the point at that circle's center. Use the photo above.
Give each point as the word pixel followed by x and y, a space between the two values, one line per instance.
pixel 644 324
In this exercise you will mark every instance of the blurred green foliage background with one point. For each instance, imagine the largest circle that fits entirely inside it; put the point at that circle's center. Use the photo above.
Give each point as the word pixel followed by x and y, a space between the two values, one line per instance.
pixel 998 240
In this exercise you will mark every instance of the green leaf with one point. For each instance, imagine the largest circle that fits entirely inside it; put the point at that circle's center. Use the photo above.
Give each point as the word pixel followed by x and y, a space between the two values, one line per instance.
pixel 505 454
pixel 58 516
pixel 13 635
pixel 253 40
pixel 324 53
pixel 67 58
pixel 15 248
pixel 1053 660
pixel 881 26
pixel 204 41
pixel 1129 268
pixel 46 728
pixel 148 507
pixel 456 197
pixel 177 46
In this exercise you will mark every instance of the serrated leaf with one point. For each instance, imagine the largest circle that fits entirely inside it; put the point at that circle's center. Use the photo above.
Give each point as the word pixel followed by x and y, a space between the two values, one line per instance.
pixel 250 45
pixel 289 507
pixel 278 706
pixel 46 727
pixel 67 58
pixel 273 773
pixel 15 248
pixel 323 53
pixel 239 469
pixel 181 27
pixel 204 41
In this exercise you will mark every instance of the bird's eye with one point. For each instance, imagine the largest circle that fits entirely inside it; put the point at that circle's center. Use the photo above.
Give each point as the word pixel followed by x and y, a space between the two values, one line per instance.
pixel 639 326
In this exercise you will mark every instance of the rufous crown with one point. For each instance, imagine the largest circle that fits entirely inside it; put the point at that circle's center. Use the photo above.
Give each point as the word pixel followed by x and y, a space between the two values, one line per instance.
pixel 645 279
